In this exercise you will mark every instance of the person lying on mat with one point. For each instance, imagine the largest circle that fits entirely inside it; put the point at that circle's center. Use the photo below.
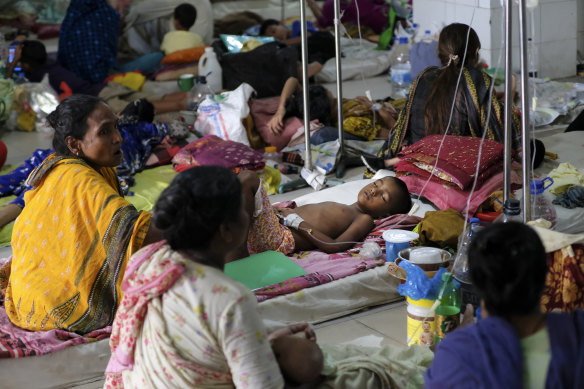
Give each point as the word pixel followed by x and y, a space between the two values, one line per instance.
pixel 429 106
pixel 329 226
pixel 73 239
pixel 182 322
pixel 321 44
pixel 515 345
pixel 359 114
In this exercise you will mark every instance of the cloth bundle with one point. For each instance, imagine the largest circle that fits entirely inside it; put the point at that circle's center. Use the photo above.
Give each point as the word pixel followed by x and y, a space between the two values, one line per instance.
pixel 456 164
pixel 212 150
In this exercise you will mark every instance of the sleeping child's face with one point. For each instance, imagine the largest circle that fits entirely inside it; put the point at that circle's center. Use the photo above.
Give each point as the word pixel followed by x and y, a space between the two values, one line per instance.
pixel 376 198
pixel 277 31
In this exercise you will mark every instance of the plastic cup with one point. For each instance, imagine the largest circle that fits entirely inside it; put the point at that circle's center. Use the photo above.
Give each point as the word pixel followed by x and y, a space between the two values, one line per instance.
pixel 186 82
pixel 396 241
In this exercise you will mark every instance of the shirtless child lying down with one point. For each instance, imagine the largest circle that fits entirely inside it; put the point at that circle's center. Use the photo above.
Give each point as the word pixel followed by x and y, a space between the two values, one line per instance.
pixel 318 226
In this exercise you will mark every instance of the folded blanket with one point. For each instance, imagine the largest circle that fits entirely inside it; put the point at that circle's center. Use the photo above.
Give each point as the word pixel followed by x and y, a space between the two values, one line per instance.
pixel 212 150
pixel 457 162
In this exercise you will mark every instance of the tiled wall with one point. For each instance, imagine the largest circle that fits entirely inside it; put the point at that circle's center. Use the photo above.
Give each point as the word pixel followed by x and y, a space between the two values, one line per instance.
pixel 556 26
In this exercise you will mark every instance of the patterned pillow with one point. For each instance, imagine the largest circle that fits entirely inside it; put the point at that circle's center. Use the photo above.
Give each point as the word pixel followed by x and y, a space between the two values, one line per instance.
pixel 212 150
pixel 457 160
pixel 447 196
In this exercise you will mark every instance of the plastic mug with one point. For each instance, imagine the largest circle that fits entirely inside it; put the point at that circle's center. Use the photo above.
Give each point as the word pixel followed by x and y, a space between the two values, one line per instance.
pixel 392 250
pixel 186 82
pixel 396 241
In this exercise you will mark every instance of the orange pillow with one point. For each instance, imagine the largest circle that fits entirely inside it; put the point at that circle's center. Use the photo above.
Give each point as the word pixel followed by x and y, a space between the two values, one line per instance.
pixel 184 56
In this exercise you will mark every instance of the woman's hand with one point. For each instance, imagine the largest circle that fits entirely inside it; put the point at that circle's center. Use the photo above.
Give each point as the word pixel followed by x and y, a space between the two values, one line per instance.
pixel 292 330
pixel 276 123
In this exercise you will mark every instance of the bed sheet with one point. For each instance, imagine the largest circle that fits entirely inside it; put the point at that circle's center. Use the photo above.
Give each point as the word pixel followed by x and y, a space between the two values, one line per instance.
pixel 359 59
pixel 569 147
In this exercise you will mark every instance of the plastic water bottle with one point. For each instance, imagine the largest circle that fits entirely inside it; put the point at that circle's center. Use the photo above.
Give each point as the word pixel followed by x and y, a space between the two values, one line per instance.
pixel 198 92
pixel 460 269
pixel 542 208
pixel 427 37
pixel 532 58
pixel 511 212
pixel 209 67
pixel 447 314
pixel 400 71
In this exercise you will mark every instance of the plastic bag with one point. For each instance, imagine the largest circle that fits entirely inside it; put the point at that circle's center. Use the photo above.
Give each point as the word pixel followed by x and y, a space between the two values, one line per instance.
pixel 234 43
pixel 221 114
pixel 33 102
pixel 7 96
pixel 418 285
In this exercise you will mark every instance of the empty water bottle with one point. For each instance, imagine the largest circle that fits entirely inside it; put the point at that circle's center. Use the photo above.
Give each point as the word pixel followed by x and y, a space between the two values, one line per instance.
pixel 541 207
pixel 460 269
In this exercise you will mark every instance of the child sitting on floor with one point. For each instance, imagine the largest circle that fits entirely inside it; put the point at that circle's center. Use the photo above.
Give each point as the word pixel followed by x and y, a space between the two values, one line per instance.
pixel 185 16
pixel 328 226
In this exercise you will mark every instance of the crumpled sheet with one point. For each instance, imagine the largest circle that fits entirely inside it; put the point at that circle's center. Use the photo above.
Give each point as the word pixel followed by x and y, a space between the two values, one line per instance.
pixel 565 176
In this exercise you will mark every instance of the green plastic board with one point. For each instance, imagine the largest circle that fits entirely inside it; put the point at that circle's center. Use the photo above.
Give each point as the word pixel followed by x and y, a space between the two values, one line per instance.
pixel 263 269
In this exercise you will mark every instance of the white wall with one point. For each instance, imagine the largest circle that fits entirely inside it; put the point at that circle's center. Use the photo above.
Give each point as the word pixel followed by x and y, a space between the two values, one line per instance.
pixel 558 27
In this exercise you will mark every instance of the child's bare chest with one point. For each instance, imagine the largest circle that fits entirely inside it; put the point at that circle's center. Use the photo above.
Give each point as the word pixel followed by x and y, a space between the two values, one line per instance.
pixel 329 217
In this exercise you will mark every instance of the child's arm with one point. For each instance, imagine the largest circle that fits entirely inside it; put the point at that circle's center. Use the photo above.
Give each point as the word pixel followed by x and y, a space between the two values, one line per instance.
pixel 360 227
pixel 276 123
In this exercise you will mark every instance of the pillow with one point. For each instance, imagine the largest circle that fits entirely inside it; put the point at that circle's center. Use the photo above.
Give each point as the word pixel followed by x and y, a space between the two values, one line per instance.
pixel 174 73
pixel 458 158
pixel 212 150
pixel 262 111
pixel 444 197
pixel 184 56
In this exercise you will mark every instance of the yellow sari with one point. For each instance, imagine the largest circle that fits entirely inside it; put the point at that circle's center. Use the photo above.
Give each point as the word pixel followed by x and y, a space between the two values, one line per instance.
pixel 70 247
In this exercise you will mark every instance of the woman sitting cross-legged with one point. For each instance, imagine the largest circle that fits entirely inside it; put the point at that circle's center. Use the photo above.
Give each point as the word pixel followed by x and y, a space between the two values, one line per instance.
pixel 515 345
pixel 72 241
pixel 455 98
pixel 184 323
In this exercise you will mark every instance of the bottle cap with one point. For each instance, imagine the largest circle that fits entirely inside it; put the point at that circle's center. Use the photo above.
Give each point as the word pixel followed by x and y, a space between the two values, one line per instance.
pixel 403 40
pixel 512 207
pixel 270 149
pixel 536 187
pixel 474 220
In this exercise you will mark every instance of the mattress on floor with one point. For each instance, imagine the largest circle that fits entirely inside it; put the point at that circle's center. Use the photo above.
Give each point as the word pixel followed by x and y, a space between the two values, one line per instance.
pixel 569 147
pixel 360 59
pixel 80 365
pixel 341 296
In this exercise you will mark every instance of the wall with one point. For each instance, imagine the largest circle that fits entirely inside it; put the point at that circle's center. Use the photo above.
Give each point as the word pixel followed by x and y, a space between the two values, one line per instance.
pixel 558 27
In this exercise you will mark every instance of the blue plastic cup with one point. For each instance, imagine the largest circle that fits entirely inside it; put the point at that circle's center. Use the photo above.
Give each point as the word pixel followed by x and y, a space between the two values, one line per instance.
pixel 392 250
pixel 396 241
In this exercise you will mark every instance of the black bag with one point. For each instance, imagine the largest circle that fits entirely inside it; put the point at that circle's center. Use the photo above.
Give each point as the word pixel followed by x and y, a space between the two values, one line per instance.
pixel 265 68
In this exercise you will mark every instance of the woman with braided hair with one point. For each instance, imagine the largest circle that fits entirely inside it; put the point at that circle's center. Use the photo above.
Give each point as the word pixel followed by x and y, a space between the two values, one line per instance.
pixel 437 94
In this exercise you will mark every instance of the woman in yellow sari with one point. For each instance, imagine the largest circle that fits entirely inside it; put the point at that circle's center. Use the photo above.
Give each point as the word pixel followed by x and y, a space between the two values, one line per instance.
pixel 72 241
